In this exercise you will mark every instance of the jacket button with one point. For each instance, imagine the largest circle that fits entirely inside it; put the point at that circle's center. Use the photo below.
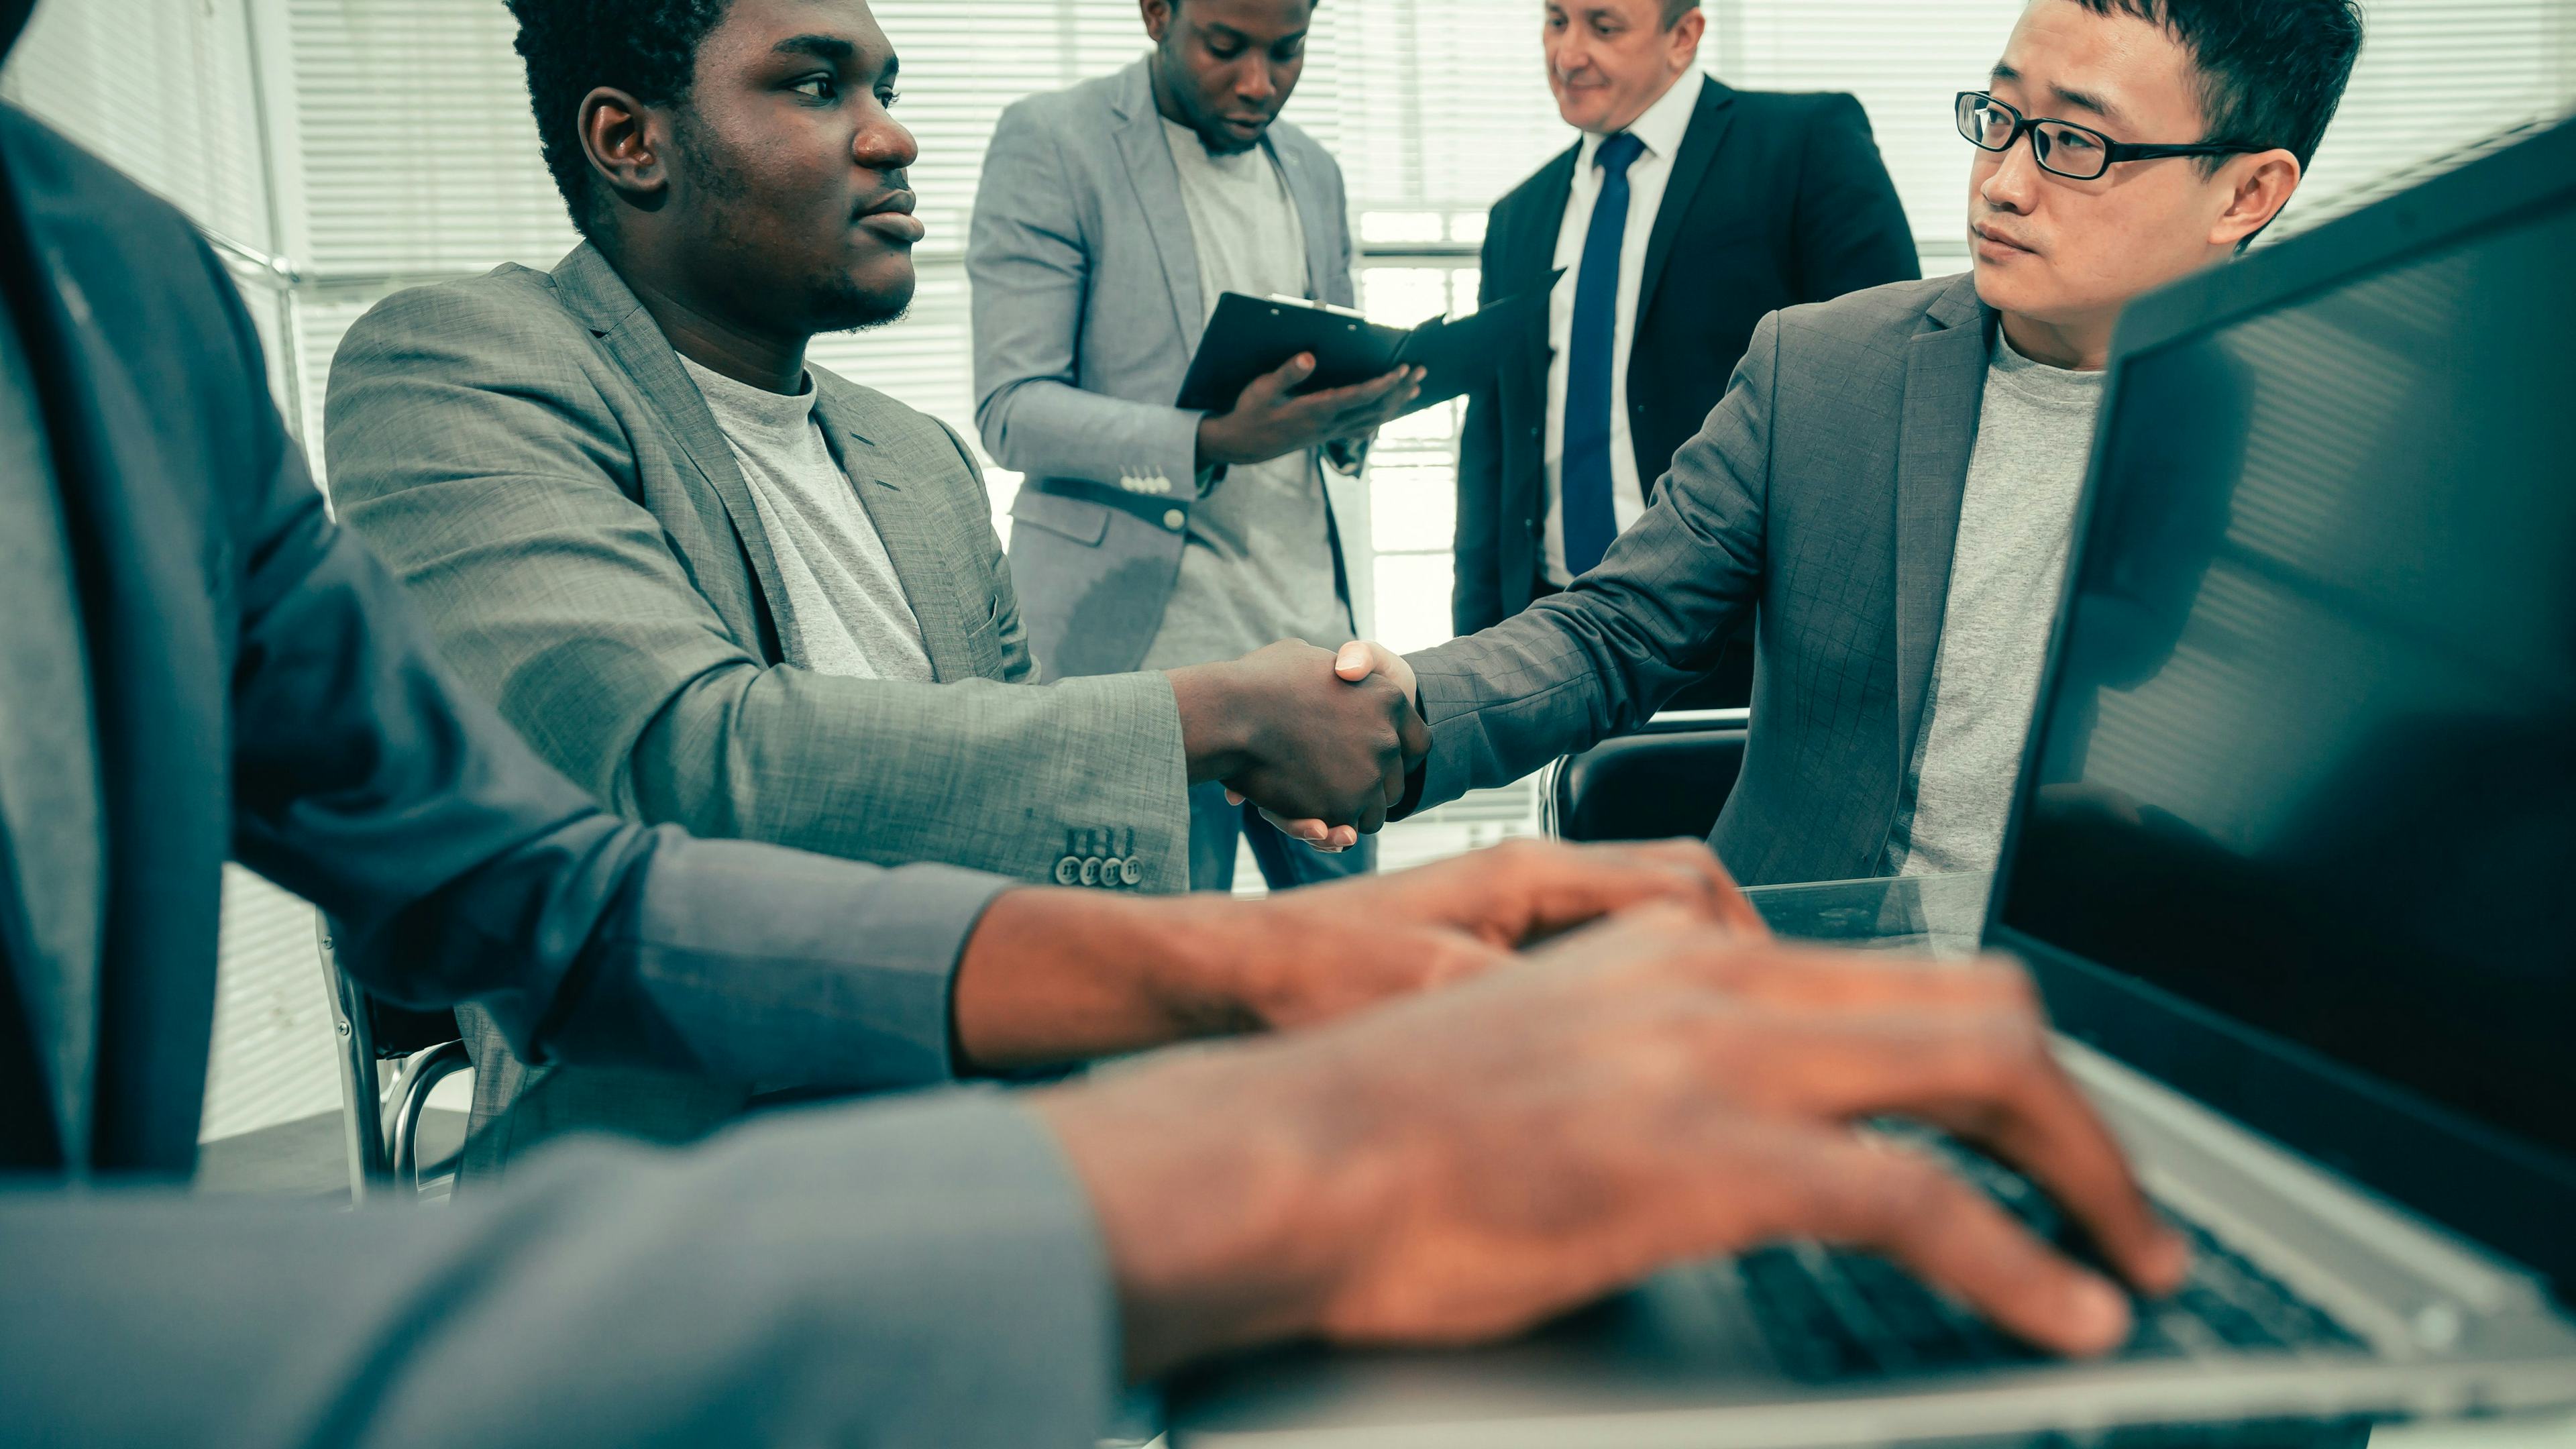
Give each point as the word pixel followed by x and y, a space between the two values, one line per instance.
pixel 1089 872
pixel 1130 873
pixel 1068 870
pixel 1109 869
pixel 1174 519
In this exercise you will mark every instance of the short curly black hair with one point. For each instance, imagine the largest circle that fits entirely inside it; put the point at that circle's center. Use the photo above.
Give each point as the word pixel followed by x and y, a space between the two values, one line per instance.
pixel 646 48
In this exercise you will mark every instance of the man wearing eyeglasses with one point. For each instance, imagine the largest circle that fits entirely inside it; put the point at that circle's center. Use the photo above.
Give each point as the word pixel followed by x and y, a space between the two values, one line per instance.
pixel 1890 482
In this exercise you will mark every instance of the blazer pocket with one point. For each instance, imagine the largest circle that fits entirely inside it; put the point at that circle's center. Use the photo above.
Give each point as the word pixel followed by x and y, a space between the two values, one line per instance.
pixel 1073 518
pixel 983 641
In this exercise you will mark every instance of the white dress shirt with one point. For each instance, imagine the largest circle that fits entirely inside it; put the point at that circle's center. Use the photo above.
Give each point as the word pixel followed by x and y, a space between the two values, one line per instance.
pixel 1661 128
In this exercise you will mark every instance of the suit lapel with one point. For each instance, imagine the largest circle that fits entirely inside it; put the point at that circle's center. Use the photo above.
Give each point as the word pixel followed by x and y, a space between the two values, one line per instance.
pixel 1314 205
pixel 1148 154
pixel 1710 120
pixel 890 491
pixel 1945 374
pixel 604 302
pixel 1532 257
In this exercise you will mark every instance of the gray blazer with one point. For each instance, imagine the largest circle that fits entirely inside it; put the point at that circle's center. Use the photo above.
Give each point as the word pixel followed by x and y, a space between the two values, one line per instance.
pixel 1087 309
pixel 920 1274
pixel 527 452
pixel 1823 495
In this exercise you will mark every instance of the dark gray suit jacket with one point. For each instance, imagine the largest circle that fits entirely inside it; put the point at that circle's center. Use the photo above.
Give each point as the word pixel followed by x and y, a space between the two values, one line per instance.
pixel 1822 496
pixel 526 451
pixel 1088 308
pixel 923 1275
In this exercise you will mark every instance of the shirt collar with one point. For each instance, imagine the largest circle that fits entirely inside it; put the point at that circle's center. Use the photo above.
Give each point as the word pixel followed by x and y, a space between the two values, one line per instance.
pixel 1664 123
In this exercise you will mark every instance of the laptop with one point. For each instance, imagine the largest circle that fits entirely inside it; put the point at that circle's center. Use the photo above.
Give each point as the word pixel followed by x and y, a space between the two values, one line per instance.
pixel 2294 863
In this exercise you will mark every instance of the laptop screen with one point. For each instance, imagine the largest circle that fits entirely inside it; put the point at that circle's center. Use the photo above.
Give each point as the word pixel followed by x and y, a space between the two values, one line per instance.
pixel 2308 759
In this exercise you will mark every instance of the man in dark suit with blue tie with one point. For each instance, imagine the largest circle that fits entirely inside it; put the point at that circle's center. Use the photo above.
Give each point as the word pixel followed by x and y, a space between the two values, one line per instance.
pixel 1686 212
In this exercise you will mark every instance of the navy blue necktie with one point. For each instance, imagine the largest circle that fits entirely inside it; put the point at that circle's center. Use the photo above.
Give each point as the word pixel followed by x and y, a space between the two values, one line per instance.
pixel 1584 474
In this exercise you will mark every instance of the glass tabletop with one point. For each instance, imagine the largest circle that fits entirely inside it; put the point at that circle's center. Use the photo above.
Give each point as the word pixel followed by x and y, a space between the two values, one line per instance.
pixel 1937 915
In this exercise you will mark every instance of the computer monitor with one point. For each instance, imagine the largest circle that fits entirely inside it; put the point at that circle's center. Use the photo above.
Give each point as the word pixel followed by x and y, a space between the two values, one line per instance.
pixel 2297 829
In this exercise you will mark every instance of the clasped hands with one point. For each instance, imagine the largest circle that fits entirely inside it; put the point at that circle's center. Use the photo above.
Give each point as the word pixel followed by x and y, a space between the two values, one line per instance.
pixel 1323 742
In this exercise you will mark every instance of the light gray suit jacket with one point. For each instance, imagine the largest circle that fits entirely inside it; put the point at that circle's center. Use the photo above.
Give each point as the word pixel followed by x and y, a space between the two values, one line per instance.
pixel 1823 495
pixel 1088 309
pixel 526 451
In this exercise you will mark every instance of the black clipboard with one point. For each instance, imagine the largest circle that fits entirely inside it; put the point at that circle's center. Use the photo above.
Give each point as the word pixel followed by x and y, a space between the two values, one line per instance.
pixel 1250 335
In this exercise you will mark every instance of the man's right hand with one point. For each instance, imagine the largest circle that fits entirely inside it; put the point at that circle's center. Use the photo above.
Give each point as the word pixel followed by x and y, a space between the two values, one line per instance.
pixel 1465 1164
pixel 1281 727
pixel 1266 422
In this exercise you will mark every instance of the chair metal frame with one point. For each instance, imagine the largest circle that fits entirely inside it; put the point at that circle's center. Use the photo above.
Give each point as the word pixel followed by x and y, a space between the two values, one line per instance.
pixel 380 1127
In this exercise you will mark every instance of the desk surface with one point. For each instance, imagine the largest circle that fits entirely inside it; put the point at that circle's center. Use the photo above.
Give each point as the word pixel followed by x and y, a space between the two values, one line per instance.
pixel 1936 915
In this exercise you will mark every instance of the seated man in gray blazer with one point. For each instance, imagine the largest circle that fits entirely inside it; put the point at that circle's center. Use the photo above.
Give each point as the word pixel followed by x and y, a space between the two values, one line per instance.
pixel 1110 219
pixel 721 588
pixel 1890 484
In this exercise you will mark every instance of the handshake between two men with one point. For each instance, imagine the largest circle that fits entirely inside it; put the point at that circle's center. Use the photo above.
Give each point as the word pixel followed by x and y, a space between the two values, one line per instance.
pixel 1323 742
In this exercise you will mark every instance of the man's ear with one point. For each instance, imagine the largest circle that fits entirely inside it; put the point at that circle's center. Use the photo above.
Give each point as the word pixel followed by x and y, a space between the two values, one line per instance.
pixel 625 140
pixel 1158 18
pixel 2260 186
pixel 1686 36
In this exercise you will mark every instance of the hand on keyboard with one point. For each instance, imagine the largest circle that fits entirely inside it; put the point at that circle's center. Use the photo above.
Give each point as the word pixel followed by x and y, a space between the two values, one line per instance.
pixel 1651 1091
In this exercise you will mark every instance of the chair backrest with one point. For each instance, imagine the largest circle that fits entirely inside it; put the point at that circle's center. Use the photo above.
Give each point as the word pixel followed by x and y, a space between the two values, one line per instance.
pixel 1669 779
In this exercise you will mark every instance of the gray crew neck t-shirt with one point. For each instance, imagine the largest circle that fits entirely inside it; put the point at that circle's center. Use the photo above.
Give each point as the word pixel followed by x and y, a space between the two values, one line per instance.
pixel 1257 566
pixel 2016 521
pixel 845 612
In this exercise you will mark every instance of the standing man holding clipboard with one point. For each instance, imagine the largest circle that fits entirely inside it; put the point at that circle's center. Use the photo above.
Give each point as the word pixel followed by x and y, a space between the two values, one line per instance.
pixel 1110 219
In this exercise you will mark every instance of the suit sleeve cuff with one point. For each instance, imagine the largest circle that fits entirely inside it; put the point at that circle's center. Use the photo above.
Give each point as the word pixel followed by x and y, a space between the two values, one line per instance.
pixel 849 984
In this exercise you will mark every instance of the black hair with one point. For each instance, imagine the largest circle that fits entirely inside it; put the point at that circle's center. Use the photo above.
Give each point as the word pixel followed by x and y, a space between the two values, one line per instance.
pixel 646 48
pixel 2271 71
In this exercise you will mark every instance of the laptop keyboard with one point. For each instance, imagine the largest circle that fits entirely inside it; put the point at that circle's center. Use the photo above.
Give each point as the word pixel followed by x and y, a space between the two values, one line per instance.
pixel 1832 1315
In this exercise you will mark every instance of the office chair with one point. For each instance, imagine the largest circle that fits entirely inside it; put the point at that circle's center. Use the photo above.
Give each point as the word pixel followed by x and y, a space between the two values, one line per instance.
pixel 383 1131
pixel 1668 779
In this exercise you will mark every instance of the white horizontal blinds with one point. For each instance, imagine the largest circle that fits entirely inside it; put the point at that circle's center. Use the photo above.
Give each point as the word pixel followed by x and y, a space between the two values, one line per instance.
pixel 162 89
pixel 274 1054
pixel 418 152
pixel 1439 104
pixel 1413 468
pixel 1904 59
pixel 2437 75
pixel 964 60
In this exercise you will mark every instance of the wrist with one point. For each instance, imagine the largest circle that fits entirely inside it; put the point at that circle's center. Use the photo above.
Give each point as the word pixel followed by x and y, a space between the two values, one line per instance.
pixel 1214 451
pixel 1220 1237
pixel 1216 732
pixel 1055 976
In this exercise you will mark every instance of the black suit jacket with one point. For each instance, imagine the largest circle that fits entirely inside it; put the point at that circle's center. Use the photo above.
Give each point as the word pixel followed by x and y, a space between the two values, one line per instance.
pixel 1774 200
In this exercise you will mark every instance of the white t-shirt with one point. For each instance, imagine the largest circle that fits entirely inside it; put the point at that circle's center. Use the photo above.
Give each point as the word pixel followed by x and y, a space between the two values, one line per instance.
pixel 845 612
pixel 1257 566
pixel 2016 524
pixel 1661 128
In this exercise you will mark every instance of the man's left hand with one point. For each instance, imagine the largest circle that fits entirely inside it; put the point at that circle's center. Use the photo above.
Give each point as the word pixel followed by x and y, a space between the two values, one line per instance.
pixel 1058 975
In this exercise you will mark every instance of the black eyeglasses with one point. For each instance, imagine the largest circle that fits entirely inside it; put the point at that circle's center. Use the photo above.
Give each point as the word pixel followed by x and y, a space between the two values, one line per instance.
pixel 2078 153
